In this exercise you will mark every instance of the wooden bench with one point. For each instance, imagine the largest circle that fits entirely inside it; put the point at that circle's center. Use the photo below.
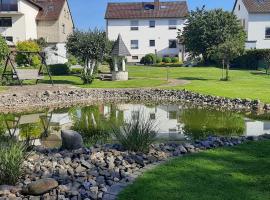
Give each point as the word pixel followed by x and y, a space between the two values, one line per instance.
pixel 28 74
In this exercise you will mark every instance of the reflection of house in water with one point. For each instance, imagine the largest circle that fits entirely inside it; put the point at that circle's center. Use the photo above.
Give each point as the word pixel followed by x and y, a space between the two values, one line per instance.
pixel 166 117
pixel 256 128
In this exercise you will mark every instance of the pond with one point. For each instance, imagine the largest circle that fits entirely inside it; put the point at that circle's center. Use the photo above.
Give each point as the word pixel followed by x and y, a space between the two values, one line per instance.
pixel 174 123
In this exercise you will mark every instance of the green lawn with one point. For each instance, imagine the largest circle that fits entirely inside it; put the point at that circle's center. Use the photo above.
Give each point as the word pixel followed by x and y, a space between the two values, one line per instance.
pixel 238 173
pixel 205 80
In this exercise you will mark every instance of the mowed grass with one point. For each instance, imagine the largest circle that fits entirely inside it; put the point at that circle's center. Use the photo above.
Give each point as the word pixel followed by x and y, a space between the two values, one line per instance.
pixel 238 173
pixel 204 80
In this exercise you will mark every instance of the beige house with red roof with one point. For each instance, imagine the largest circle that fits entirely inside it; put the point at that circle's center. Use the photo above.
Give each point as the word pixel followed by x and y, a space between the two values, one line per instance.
pixel 32 19
pixel 255 17
pixel 147 27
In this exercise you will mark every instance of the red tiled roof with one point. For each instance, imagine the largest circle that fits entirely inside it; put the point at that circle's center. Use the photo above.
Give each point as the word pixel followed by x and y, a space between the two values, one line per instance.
pixel 256 6
pixel 51 9
pixel 171 9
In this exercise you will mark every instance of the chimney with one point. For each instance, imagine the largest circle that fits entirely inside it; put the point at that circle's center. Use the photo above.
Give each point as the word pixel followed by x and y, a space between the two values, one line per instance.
pixel 157 4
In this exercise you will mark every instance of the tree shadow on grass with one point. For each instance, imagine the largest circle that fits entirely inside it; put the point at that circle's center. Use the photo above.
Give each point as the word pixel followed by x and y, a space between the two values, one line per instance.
pixel 61 82
pixel 260 73
pixel 193 79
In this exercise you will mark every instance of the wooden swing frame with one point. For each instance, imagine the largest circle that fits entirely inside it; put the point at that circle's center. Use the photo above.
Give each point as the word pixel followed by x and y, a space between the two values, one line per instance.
pixel 14 73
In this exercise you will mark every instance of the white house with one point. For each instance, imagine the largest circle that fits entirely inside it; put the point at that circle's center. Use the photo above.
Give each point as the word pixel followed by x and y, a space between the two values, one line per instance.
pixel 22 20
pixel 255 17
pixel 18 20
pixel 147 27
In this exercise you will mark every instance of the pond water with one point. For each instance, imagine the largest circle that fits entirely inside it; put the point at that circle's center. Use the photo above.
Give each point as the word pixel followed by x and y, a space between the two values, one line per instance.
pixel 174 122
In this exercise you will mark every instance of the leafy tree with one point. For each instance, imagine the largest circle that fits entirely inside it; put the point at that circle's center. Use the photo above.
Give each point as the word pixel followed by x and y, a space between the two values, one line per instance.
pixel 91 47
pixel 228 51
pixel 207 29
pixel 4 50
pixel 42 43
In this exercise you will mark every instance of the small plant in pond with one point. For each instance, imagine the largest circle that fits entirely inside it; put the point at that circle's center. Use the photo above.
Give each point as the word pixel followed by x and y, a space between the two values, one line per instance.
pixel 136 134
pixel 12 155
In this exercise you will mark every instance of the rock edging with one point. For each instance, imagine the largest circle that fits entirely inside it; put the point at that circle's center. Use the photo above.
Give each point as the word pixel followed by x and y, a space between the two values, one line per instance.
pixel 100 172
pixel 70 96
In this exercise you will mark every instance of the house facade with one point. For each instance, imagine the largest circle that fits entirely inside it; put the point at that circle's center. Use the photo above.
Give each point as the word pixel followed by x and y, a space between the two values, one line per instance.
pixel 147 27
pixel 22 20
pixel 255 18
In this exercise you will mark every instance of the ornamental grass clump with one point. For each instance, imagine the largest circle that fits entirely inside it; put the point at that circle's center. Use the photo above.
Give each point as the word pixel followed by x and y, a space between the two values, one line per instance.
pixel 12 155
pixel 136 134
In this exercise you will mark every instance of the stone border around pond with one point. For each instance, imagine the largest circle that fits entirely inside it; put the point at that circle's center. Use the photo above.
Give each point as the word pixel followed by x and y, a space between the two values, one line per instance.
pixel 100 172
pixel 37 100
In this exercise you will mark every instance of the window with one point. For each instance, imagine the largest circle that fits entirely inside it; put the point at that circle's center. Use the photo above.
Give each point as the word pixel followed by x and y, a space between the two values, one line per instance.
pixel 149 7
pixel 64 28
pixel 152 116
pixel 172 24
pixel 8 5
pixel 172 44
pixel 239 7
pixel 9 38
pixel 5 22
pixel 135 57
pixel 267 33
pixel 152 43
pixel 152 24
pixel 134 44
pixel 134 25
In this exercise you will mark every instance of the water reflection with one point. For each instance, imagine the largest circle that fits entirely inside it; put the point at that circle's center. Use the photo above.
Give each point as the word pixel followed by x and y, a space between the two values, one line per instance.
pixel 94 122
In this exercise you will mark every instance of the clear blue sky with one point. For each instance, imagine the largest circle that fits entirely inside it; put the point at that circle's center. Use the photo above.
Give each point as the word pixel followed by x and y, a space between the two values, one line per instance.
pixel 90 13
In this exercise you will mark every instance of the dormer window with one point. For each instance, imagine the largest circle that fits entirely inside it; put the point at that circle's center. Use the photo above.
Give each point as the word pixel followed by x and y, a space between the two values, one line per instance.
pixel 149 7
pixel 50 8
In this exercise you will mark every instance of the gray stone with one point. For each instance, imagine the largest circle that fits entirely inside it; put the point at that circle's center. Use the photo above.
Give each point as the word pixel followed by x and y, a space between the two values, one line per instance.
pixel 40 187
pixel 71 140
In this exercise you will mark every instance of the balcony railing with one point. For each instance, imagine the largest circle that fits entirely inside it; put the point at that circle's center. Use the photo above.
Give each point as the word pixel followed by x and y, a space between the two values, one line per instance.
pixel 8 7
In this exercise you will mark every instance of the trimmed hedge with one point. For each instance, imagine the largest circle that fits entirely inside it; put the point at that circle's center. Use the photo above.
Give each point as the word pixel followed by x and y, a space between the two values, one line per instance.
pixel 167 60
pixel 175 60
pixel 149 59
pixel 252 59
pixel 59 69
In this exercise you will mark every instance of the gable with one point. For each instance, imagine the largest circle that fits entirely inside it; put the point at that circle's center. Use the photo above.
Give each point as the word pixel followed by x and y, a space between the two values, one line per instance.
pixel 255 6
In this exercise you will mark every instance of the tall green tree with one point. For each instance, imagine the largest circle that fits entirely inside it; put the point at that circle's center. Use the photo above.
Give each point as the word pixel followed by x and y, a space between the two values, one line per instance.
pixel 91 47
pixel 207 29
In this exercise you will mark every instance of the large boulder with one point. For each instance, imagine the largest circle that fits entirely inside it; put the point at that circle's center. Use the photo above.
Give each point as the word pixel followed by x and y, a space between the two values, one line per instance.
pixel 71 140
pixel 40 187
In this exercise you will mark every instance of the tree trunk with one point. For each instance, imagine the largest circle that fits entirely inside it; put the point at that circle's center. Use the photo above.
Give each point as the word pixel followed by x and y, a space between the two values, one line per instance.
pixel 227 71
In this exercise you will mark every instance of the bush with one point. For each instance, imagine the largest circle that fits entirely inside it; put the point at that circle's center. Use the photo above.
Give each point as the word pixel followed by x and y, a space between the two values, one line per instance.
pixel 59 69
pixel 137 134
pixel 252 59
pixel 4 50
pixel 12 155
pixel 31 59
pixel 76 71
pixel 72 60
pixel 159 60
pixel 167 60
pixel 175 60
pixel 149 59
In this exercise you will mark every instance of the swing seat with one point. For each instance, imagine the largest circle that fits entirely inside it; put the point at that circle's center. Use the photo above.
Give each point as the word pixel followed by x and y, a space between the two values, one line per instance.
pixel 28 74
